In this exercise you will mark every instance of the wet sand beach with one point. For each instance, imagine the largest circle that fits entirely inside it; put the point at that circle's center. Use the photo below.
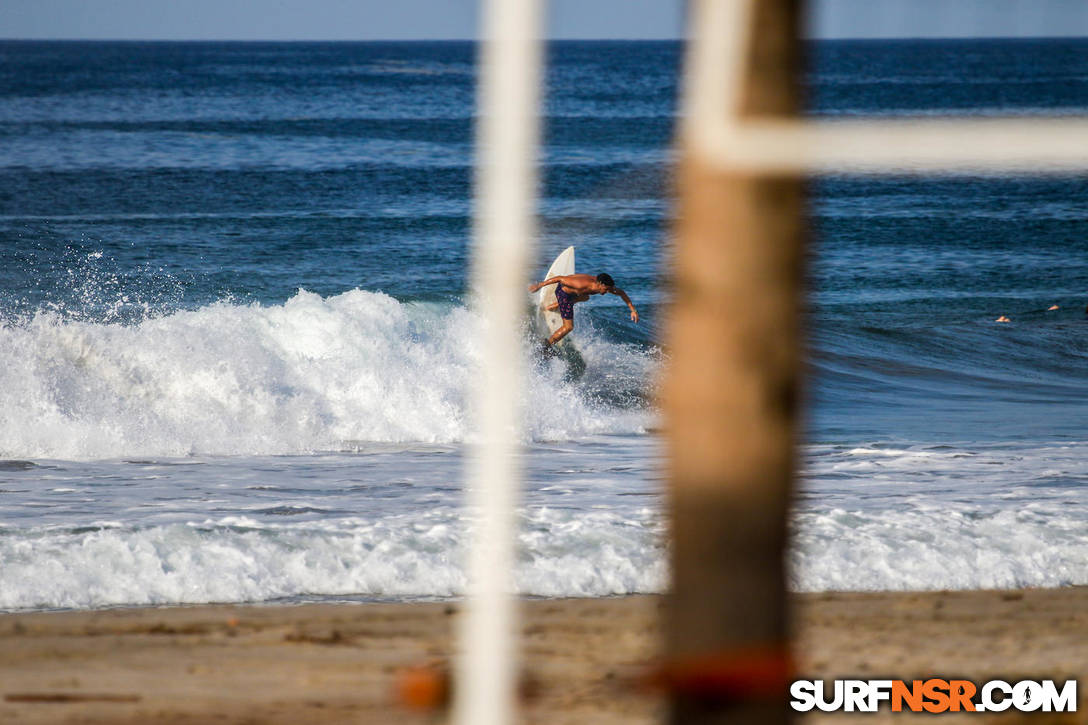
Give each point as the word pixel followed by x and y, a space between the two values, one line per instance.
pixel 345 663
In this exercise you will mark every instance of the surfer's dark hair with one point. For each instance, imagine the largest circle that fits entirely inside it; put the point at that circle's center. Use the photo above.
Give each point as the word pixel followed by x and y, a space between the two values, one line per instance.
pixel 606 279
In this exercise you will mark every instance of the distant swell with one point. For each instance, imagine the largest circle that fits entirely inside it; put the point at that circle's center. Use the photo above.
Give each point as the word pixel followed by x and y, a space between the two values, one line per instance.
pixel 312 374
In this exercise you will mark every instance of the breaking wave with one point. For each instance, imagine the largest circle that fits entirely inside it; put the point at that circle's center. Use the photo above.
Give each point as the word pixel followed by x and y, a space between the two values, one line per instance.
pixel 311 374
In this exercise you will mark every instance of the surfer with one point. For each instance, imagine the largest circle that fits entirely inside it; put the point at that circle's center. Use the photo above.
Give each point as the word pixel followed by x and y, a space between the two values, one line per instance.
pixel 571 288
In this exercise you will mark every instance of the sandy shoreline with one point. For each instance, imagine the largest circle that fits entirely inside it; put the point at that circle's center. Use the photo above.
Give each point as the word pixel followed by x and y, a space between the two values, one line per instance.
pixel 341 663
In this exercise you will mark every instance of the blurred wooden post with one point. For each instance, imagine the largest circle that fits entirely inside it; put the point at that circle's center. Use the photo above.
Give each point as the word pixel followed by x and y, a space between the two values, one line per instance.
pixel 731 399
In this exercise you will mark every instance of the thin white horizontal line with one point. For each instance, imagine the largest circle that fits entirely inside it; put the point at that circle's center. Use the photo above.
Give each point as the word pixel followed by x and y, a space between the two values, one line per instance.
pixel 784 146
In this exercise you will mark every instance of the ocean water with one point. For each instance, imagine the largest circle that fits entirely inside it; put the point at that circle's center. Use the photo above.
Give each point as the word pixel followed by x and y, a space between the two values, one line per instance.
pixel 236 341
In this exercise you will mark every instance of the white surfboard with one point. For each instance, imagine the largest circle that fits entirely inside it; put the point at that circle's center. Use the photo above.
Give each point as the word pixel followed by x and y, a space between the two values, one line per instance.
pixel 548 321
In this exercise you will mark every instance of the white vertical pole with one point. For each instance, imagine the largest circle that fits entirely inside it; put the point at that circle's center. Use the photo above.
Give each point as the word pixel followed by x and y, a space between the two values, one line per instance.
pixel 715 65
pixel 506 141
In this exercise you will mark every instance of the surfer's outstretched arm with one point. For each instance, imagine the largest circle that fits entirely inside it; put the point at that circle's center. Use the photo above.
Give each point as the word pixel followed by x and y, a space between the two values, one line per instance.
pixel 623 296
pixel 545 283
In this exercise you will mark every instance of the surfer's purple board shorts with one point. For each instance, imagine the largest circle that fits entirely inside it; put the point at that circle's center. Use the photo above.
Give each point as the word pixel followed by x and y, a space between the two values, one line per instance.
pixel 566 304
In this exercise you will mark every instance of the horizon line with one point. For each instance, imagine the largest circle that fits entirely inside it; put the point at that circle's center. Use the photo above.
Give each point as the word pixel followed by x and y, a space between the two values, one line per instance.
pixel 547 40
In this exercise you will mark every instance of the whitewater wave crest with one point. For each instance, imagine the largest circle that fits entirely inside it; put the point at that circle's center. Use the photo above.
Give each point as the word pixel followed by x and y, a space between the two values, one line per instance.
pixel 930 548
pixel 561 553
pixel 311 374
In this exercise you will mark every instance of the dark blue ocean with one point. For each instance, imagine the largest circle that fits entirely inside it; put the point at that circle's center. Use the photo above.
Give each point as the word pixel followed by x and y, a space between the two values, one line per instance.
pixel 236 340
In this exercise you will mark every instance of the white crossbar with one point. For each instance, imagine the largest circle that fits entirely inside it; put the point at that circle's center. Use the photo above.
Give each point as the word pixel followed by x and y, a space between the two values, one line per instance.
pixel 714 131
pixel 1035 145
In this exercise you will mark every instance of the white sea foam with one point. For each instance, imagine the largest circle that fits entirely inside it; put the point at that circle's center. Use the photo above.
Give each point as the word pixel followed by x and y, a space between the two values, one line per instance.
pixel 310 374
pixel 942 517
pixel 239 559
pixel 563 552
pixel 938 548
pixel 359 371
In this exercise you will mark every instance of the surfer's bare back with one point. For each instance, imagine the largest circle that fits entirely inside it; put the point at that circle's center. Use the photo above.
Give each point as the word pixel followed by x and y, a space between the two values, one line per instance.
pixel 571 288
